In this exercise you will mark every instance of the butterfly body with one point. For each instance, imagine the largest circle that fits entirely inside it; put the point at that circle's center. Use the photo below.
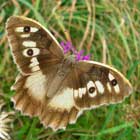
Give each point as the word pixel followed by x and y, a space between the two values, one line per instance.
pixel 55 87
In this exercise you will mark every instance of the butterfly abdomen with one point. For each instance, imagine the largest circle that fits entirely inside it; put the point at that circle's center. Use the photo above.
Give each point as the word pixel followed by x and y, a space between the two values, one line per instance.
pixel 59 78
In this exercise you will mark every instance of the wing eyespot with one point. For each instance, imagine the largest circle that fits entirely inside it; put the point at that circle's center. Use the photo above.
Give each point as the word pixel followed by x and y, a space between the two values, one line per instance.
pixel 114 82
pixel 30 52
pixel 27 29
pixel 91 89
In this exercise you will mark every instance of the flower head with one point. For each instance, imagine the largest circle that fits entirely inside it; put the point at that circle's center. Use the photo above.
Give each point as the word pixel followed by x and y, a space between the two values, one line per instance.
pixel 67 47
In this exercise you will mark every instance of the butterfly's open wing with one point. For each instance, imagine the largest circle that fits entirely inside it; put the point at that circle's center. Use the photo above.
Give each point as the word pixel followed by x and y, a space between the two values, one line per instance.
pixel 31 91
pixel 38 56
pixel 31 99
pixel 34 48
pixel 98 84
pixel 88 85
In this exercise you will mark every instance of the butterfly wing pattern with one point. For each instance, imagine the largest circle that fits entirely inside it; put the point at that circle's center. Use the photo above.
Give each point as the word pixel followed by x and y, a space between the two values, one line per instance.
pixel 31 42
pixel 53 87
pixel 99 85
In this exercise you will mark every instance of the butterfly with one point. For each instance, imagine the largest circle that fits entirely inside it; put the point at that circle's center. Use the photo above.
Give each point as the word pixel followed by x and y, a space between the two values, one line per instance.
pixel 53 86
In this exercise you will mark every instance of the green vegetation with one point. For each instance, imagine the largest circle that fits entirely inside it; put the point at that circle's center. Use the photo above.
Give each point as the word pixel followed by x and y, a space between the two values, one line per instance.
pixel 107 29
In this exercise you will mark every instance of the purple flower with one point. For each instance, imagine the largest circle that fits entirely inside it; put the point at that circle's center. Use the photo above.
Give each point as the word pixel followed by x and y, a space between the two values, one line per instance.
pixel 86 57
pixel 78 55
pixel 66 47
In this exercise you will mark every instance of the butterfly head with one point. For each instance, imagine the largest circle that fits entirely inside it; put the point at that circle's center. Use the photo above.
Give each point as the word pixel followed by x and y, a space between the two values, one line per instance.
pixel 71 58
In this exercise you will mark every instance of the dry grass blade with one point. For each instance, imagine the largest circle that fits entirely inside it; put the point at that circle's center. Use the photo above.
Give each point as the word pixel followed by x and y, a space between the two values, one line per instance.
pixel 71 11
pixel 16 4
pixel 93 26
pixel 88 25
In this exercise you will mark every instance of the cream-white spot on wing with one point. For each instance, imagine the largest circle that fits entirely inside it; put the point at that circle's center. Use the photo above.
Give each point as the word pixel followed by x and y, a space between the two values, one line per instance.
pixel 29 43
pixel 109 87
pixel 99 86
pixel 34 29
pixel 111 77
pixel 76 93
pixel 80 94
pixel 19 29
pixel 34 62
pixel 64 100
pixel 24 52
pixel 36 68
pixel 90 84
pixel 36 85
pixel 36 51
pixel 24 35
pixel 116 88
pixel 93 94
pixel 82 91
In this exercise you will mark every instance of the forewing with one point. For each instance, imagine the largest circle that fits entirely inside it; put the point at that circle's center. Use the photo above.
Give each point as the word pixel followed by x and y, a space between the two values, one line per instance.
pixel 98 84
pixel 33 47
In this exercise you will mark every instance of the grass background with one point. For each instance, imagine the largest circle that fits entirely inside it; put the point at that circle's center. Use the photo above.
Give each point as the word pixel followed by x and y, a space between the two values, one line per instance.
pixel 107 29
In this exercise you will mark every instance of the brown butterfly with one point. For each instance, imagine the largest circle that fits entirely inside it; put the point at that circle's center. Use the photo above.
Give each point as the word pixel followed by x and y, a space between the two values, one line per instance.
pixel 55 87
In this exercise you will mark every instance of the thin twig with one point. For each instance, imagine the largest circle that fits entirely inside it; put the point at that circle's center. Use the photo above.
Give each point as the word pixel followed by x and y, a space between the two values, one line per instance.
pixel 53 11
pixel 3 40
pixel 16 4
pixel 93 26
pixel 104 49
pixel 26 12
pixel 88 25
pixel 71 12
pixel 4 4
pixel 57 34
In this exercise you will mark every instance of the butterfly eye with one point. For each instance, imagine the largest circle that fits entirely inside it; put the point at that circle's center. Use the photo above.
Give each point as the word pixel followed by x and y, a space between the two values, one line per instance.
pixel 27 29
pixel 31 52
